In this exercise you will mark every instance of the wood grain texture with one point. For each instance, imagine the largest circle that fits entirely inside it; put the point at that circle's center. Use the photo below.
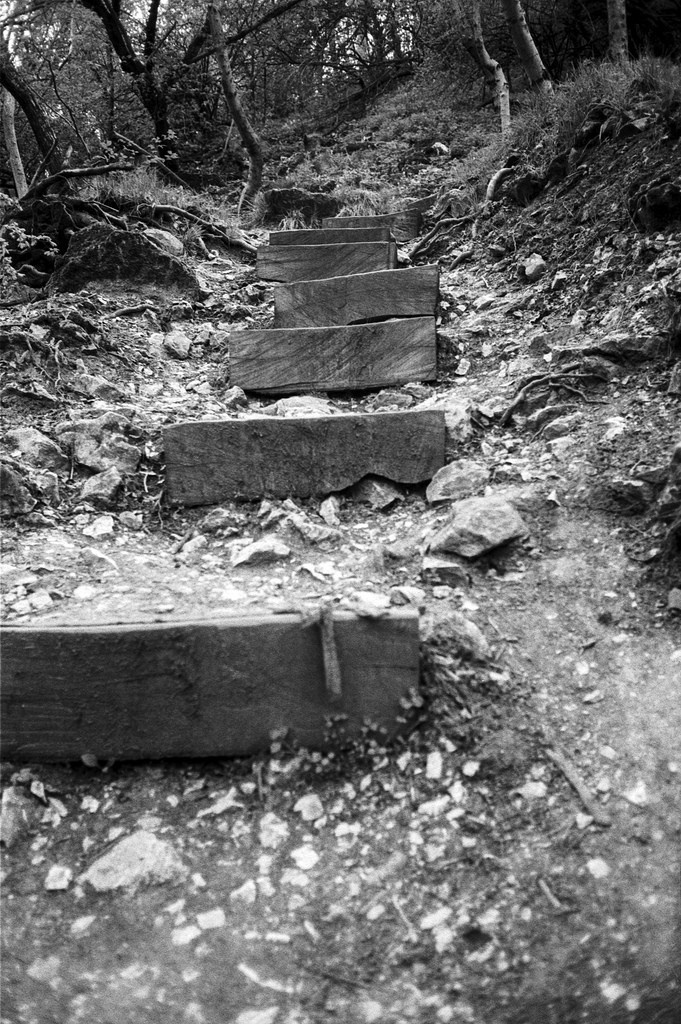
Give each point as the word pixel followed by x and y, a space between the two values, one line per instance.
pixel 330 236
pixel 197 689
pixel 212 461
pixel 338 301
pixel 405 224
pixel 312 262
pixel 334 358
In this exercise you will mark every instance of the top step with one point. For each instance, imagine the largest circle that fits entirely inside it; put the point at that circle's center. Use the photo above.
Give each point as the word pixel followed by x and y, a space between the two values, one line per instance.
pixel 330 236
pixel 404 225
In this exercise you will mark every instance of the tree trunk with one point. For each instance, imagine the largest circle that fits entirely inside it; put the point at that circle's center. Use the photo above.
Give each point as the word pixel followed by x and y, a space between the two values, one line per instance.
pixel 468 12
pixel 13 154
pixel 525 45
pixel 13 82
pixel 246 131
pixel 617 31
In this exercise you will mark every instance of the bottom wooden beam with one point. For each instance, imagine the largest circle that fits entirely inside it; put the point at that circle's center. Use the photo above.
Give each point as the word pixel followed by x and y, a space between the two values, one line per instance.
pixel 208 461
pixel 199 689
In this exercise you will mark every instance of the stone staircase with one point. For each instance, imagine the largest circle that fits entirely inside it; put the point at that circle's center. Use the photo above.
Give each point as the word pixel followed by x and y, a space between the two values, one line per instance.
pixel 345 318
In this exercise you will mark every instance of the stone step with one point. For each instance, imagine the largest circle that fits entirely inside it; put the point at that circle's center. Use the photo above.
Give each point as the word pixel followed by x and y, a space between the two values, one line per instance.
pixel 312 262
pixel 330 236
pixel 405 224
pixel 210 461
pixel 334 358
pixel 338 301
pixel 201 688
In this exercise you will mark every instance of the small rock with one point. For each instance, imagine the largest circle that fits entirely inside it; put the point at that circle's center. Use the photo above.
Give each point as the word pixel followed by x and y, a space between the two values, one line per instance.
pixel 101 443
pixel 246 893
pixel 194 545
pixel 562 426
pixel 46 969
pixel 637 795
pixel 477 525
pixel 532 790
pixel 19 815
pixel 376 491
pixel 444 570
pixel 183 936
pixel 484 301
pixel 131 520
pixel 457 480
pixel 139 859
pixel 85 592
pixel 329 510
pixel 210 919
pixel 37 449
pixel 58 878
pixel 309 807
pixel 177 345
pixel 304 857
pixel 597 867
pixel 273 831
pixel 82 924
pixel 40 599
pixel 102 526
pixel 99 387
pixel 300 405
pixel 47 483
pixel 434 808
pixel 165 240
pixel 435 918
pixel 267 549
pixel 434 765
pixel 234 398
pixel 532 268
pixel 559 281
pixel 15 498
pixel 405 594
pixel 102 488
pixel 458 421
pixel 674 600
pixel 312 532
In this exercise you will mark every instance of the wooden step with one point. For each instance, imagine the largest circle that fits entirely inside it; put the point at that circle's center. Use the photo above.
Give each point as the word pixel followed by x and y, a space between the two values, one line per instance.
pixel 200 689
pixel 334 358
pixel 210 461
pixel 330 236
pixel 404 224
pixel 360 298
pixel 312 262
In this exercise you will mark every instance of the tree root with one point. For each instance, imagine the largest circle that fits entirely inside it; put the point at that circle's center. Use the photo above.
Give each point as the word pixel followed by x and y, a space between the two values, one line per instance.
pixel 552 380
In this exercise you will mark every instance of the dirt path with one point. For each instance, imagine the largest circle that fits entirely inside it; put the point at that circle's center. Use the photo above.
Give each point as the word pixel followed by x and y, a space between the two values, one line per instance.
pixel 455 877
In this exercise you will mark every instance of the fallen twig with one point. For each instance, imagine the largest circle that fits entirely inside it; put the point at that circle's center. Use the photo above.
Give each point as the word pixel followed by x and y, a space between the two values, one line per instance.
pixel 553 900
pixel 579 786
pixel 413 934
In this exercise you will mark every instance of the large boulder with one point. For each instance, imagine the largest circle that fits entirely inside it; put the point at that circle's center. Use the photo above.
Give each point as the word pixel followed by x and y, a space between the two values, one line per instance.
pixel 105 258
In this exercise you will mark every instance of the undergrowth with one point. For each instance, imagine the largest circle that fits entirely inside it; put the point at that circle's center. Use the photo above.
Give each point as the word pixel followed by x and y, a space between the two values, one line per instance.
pixel 548 125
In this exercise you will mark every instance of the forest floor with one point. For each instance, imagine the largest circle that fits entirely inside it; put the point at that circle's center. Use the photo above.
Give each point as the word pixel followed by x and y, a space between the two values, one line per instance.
pixel 455 875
